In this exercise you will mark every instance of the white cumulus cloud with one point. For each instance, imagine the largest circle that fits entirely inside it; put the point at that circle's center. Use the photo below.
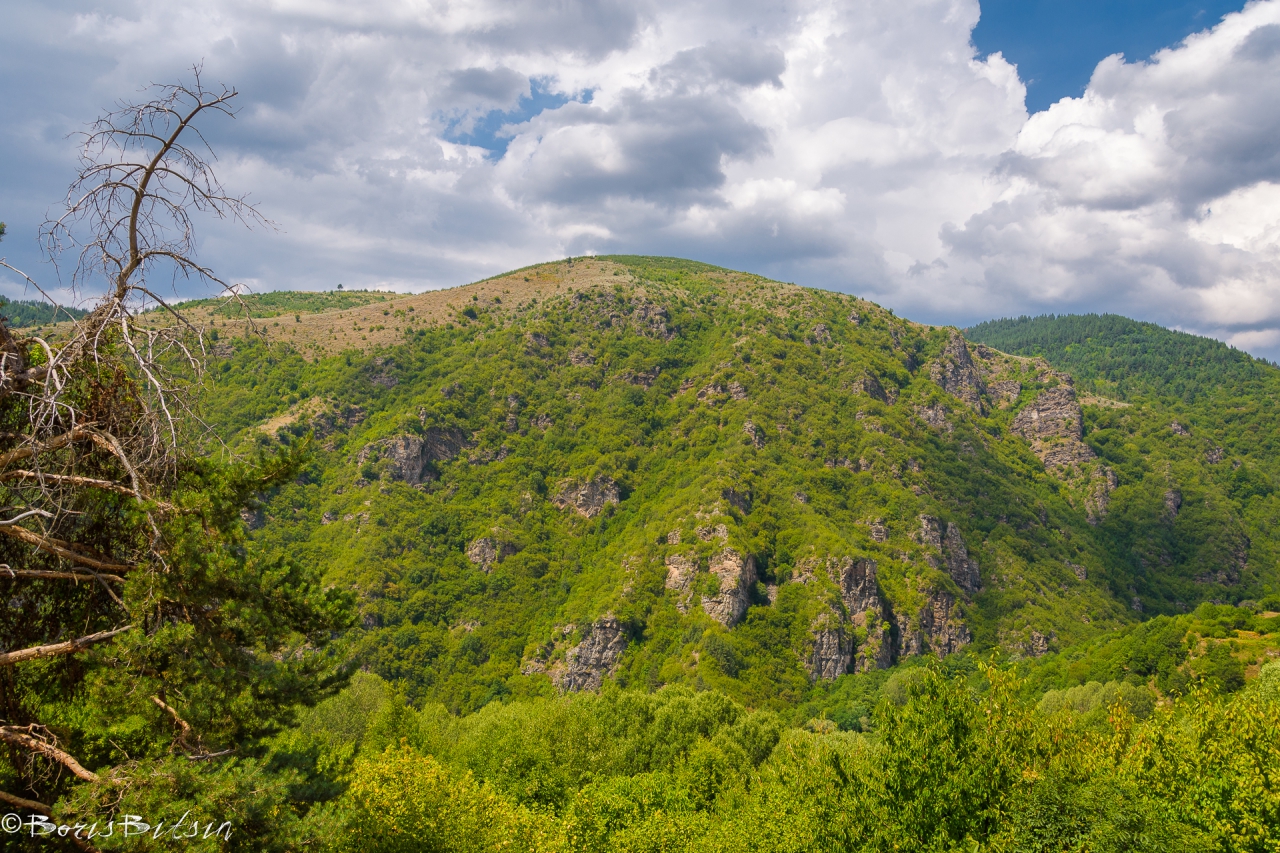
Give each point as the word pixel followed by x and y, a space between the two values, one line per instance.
pixel 859 146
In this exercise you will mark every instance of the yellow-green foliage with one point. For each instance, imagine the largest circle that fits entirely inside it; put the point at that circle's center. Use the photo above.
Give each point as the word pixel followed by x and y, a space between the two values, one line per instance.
pixel 406 802
pixel 951 768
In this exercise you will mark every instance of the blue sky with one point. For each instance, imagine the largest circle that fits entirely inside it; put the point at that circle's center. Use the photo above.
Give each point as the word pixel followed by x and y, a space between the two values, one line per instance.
pixel 951 160
pixel 1057 43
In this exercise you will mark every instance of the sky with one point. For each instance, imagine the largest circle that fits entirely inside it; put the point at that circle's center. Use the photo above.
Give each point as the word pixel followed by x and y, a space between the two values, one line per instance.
pixel 952 161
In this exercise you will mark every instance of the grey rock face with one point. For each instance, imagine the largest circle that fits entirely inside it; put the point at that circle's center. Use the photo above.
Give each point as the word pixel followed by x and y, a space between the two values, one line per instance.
pixel 955 373
pixel 962 569
pixel 832 650
pixel 860 594
pixel 1172 502
pixel 858 589
pixel 485 552
pixel 1055 413
pixel 409 456
pixel 1005 392
pixel 596 656
pixel 588 498
pixel 935 415
pixel 937 628
pixel 1101 485
pixel 870 386
pixel 835 648
pixel 737 574
pixel 954 555
pixel 680 573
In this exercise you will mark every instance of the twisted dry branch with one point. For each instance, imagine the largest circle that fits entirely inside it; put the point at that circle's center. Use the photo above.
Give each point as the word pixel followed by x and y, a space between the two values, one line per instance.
pixel 26 738
pixel 56 649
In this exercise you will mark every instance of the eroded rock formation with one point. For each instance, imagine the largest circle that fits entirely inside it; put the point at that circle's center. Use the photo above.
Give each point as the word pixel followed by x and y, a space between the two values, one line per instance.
pixel 409 457
pixel 1054 425
pixel 588 498
pixel 736 574
pixel 952 554
pixel 596 656
pixel 486 552
pixel 955 373
pixel 936 628
pixel 832 649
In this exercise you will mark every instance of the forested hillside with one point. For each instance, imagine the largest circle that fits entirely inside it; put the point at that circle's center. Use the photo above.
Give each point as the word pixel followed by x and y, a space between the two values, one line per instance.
pixel 1126 358
pixel 656 472
pixel 30 312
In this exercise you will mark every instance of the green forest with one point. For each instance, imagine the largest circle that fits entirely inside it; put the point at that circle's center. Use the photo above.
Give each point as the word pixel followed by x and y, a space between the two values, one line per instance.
pixel 34 312
pixel 678 558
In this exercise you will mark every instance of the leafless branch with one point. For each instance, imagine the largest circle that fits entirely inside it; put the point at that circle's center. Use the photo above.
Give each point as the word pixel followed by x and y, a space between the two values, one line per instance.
pixel 65 550
pixel 49 574
pixel 37 739
pixel 56 649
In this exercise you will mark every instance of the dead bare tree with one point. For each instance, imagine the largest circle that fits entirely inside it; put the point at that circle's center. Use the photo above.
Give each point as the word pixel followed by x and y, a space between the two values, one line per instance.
pixel 96 417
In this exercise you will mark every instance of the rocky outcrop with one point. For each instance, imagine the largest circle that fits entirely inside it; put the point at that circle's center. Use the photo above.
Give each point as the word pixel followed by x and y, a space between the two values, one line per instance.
pixel 681 570
pixel 858 588
pixel 1172 503
pixel 849 635
pixel 485 553
pixel 588 498
pixel 1005 392
pixel 936 628
pixel 860 594
pixel 963 569
pixel 1054 425
pixel 955 373
pixel 408 458
pixel 832 650
pixel 952 554
pixel 935 415
pixel 870 386
pixel 1098 494
pixel 736 575
pixel 596 656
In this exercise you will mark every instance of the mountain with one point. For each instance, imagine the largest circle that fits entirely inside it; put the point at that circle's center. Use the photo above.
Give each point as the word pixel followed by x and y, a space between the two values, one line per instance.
pixel 655 472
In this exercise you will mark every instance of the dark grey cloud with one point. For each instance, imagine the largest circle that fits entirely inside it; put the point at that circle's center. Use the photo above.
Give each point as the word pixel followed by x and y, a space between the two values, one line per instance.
pixel 497 88
pixel 743 63
pixel 670 151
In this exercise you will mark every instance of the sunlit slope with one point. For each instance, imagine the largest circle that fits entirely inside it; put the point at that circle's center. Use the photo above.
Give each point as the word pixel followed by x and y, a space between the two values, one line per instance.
pixel 657 471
